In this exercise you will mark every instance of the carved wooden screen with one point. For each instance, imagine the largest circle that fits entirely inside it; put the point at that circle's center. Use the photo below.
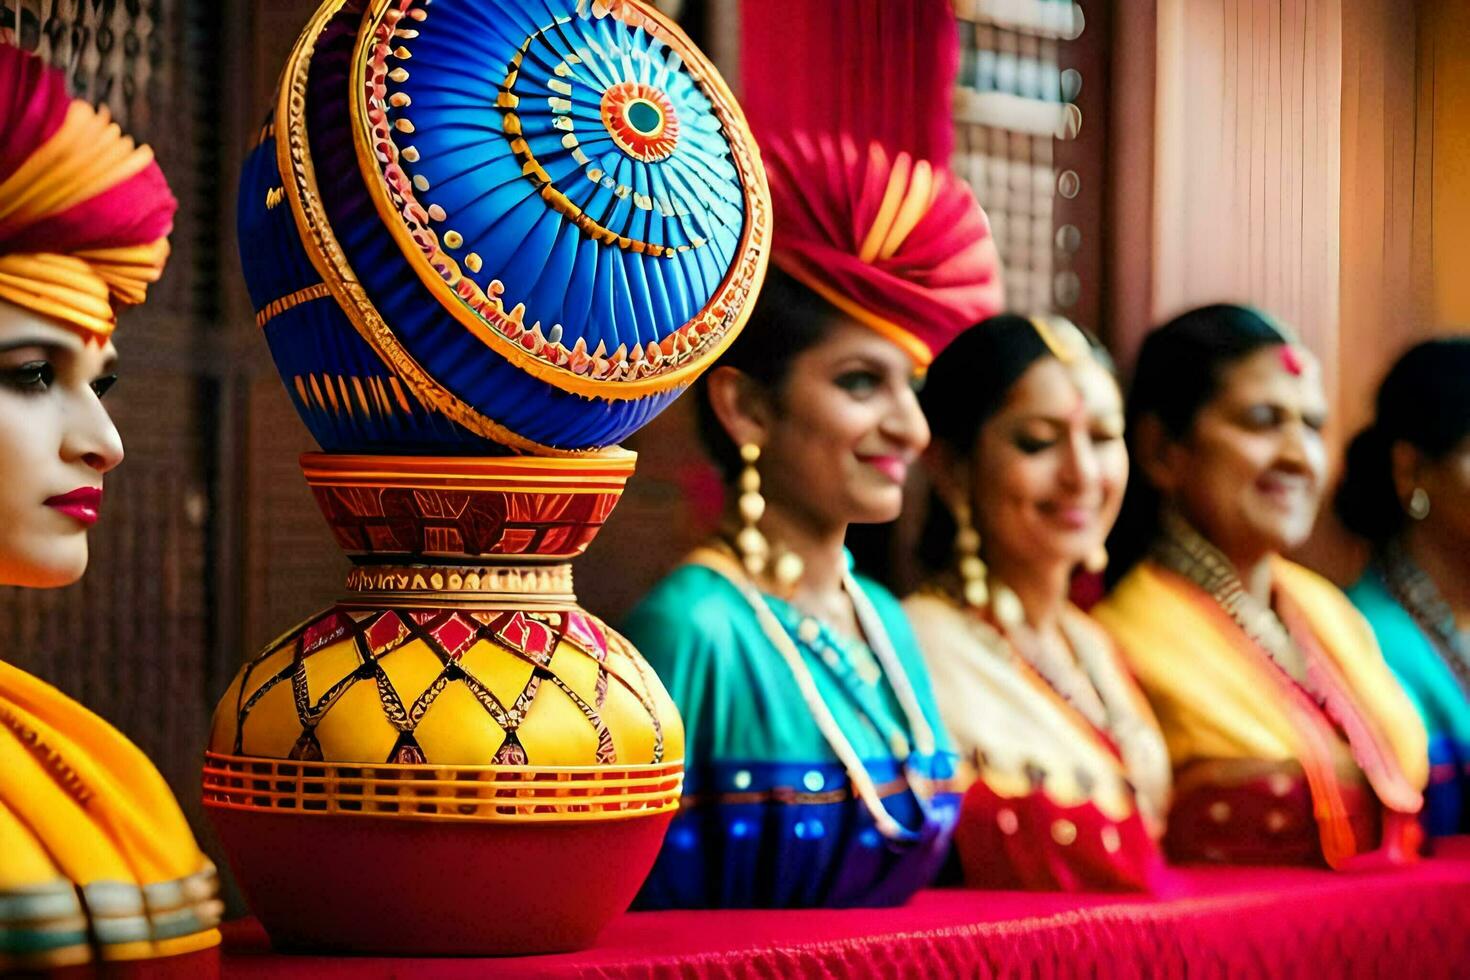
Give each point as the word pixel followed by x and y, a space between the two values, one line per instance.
pixel 1029 139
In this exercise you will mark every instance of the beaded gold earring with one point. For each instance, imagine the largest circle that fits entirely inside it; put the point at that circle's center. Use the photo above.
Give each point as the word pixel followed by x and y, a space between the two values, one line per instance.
pixel 787 570
pixel 973 584
pixel 750 542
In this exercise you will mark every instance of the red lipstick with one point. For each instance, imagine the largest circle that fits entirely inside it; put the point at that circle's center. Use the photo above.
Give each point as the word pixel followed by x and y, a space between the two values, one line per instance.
pixel 84 504
pixel 896 468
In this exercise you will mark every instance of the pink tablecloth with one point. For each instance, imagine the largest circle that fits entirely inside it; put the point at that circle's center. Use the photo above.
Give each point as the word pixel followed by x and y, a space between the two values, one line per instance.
pixel 1278 922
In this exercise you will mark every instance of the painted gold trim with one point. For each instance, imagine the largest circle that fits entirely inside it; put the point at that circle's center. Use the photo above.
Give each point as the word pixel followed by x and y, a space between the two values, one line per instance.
pixel 464 794
pixel 298 173
pixel 607 470
pixel 520 584
pixel 739 288
pixel 276 307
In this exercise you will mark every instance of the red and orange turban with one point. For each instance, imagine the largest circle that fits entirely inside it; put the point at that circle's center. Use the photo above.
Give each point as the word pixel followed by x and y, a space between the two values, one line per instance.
pixel 851 100
pixel 84 211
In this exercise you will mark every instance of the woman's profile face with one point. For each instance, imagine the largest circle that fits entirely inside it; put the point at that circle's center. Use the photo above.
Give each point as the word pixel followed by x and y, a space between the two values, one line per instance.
pixel 1251 473
pixel 56 442
pixel 1047 471
pixel 844 429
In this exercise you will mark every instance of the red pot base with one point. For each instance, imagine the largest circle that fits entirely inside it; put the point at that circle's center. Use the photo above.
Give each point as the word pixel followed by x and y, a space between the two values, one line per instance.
pixel 328 883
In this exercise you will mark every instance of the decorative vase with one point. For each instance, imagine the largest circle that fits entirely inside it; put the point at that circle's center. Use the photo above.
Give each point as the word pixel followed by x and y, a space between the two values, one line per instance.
pixel 485 240
pixel 454 727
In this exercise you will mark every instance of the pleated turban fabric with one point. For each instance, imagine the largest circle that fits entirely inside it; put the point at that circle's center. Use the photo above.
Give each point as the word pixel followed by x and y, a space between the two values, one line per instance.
pixel 851 101
pixel 84 211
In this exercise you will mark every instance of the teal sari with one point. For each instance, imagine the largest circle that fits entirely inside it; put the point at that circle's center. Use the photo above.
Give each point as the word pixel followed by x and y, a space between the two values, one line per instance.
pixel 770 817
pixel 1435 690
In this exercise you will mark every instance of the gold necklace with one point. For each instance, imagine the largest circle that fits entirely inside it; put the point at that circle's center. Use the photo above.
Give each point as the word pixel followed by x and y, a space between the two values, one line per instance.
pixel 1184 551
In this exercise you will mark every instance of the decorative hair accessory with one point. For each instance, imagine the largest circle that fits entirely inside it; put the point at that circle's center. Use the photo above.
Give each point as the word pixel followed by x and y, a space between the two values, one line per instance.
pixel 1062 337
pixel 1418 507
pixel 84 211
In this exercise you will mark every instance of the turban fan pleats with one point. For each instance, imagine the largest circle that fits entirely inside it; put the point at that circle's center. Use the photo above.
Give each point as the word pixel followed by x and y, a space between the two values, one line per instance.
pixel 84 211
pixel 856 133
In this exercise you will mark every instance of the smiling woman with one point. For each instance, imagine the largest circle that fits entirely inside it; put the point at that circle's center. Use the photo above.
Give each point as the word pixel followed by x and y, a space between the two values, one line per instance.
pixel 96 859
pixel 1066 773
pixel 817 770
pixel 1291 741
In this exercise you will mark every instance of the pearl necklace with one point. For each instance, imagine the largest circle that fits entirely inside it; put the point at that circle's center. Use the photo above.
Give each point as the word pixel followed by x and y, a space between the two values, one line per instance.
pixel 882 646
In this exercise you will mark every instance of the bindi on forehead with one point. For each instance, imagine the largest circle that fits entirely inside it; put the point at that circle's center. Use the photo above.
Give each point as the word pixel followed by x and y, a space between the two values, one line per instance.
pixel 1292 361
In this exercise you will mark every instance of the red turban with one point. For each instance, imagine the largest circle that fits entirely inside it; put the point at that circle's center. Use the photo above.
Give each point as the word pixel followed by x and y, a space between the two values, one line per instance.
pixel 851 100
pixel 84 212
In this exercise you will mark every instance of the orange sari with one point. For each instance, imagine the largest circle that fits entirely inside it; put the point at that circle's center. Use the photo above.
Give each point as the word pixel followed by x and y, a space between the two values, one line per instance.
pixel 1267 767
pixel 96 859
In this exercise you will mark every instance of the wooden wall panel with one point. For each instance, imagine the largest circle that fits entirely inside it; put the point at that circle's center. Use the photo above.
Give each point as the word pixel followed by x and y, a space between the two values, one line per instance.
pixel 1385 192
pixel 1247 160
pixel 1445 54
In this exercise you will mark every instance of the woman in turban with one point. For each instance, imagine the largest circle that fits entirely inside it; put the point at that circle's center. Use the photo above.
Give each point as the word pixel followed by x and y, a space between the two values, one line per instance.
pixel 96 859
pixel 818 773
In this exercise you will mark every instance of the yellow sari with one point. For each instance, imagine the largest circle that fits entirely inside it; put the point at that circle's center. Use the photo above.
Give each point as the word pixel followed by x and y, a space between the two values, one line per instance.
pixel 1246 738
pixel 96 859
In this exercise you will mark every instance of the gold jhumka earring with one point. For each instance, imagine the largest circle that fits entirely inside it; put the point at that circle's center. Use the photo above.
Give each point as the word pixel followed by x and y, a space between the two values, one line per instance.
pixel 1097 561
pixel 975 586
pixel 754 549
pixel 750 542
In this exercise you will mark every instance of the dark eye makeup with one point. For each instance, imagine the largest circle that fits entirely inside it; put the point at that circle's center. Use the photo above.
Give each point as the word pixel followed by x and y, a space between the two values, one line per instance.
pixel 1265 416
pixel 38 373
pixel 101 386
pixel 1031 445
pixel 29 378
